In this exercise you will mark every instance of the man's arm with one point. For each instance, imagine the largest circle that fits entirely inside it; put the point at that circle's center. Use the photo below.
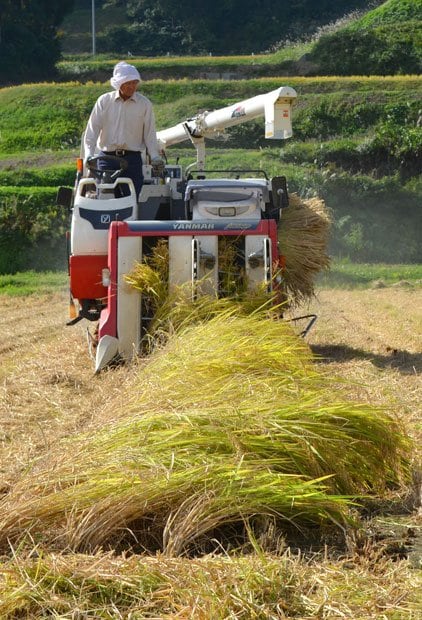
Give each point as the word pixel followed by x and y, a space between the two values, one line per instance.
pixel 92 130
pixel 150 133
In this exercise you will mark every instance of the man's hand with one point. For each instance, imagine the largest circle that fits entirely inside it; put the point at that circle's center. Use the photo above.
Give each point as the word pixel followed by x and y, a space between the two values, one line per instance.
pixel 87 159
pixel 158 165
pixel 87 166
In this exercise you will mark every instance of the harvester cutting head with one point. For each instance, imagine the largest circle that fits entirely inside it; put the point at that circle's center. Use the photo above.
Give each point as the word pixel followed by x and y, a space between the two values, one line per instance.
pixel 194 251
pixel 196 218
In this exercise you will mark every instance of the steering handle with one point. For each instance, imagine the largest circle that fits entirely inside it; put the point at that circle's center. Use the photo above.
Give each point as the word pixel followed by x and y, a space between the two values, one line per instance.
pixel 122 163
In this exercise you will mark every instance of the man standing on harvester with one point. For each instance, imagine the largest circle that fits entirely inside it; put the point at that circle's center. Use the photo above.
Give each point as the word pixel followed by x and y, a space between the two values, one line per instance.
pixel 122 123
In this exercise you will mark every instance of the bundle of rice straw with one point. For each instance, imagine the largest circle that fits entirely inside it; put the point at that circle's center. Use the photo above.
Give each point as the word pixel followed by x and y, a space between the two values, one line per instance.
pixel 303 237
pixel 173 308
pixel 229 422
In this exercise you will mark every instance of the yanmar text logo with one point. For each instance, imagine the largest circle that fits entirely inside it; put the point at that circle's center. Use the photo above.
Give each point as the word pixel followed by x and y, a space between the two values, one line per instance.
pixel 193 226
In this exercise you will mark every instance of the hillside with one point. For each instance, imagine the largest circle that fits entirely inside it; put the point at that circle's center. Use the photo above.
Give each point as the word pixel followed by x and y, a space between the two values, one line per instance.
pixel 355 45
pixel 356 143
pixel 384 41
pixel 162 28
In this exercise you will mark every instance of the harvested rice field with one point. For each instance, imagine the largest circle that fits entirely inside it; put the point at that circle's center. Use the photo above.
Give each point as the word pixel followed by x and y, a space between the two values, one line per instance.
pixel 202 535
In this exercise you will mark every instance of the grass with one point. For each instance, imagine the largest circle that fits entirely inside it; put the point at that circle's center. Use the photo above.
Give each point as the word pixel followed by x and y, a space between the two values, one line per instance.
pixel 41 176
pixel 344 274
pixel 390 13
pixel 32 283
pixel 53 116
pixel 182 66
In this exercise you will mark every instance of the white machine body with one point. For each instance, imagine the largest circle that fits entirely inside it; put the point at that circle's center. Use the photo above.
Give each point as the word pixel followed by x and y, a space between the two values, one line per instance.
pixel 95 207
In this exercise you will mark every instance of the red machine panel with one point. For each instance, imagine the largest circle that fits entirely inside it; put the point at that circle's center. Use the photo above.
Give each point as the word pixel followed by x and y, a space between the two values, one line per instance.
pixel 86 276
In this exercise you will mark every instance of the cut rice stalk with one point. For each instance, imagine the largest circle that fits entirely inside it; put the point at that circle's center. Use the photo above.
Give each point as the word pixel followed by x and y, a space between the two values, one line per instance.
pixel 232 414
pixel 303 237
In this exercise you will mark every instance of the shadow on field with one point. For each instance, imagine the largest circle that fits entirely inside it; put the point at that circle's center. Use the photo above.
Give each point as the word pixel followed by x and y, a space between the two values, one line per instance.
pixel 405 362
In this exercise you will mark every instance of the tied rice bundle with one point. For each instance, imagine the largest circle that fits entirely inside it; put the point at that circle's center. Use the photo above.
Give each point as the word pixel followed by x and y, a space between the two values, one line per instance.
pixel 303 237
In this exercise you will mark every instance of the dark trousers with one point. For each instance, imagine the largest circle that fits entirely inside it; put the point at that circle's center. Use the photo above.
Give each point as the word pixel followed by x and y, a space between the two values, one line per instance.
pixel 133 171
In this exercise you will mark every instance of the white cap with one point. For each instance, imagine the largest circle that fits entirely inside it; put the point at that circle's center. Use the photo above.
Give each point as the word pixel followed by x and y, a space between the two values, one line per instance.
pixel 123 72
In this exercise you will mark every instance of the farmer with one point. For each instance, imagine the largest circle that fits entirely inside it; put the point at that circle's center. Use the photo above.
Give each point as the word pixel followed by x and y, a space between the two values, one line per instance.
pixel 122 123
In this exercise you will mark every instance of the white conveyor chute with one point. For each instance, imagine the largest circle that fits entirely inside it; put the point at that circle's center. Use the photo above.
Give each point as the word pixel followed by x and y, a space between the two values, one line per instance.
pixel 275 106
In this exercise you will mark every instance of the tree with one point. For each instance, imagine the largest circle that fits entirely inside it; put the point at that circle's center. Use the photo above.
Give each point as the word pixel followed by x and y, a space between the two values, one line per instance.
pixel 152 34
pixel 238 26
pixel 29 46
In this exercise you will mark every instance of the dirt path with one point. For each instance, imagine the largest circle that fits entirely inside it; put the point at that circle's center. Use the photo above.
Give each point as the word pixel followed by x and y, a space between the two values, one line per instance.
pixel 372 338
pixel 47 385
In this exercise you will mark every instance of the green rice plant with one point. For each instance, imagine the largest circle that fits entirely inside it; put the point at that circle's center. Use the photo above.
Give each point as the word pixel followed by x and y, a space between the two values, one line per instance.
pixel 230 421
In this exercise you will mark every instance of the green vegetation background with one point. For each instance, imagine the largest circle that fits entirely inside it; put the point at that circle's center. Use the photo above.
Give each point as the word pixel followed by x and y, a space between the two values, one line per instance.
pixel 357 140
pixel 329 37
pixel 357 144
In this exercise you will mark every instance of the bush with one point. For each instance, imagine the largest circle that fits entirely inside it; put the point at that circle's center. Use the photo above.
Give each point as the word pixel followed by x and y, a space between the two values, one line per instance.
pixel 374 221
pixel 393 148
pixel 337 115
pixel 376 51
pixel 32 230
pixel 401 146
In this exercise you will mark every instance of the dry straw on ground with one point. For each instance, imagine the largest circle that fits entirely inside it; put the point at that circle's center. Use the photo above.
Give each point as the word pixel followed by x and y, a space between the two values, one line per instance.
pixel 251 586
pixel 231 420
pixel 353 332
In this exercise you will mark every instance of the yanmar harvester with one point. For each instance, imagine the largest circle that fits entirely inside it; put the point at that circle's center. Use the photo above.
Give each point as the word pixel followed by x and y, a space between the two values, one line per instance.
pixel 191 209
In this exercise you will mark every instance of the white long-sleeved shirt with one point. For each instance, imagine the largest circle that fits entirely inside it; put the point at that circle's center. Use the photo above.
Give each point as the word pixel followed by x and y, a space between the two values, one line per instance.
pixel 118 124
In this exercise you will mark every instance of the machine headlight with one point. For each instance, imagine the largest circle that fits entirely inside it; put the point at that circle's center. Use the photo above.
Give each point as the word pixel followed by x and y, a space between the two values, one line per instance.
pixel 106 281
pixel 227 211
